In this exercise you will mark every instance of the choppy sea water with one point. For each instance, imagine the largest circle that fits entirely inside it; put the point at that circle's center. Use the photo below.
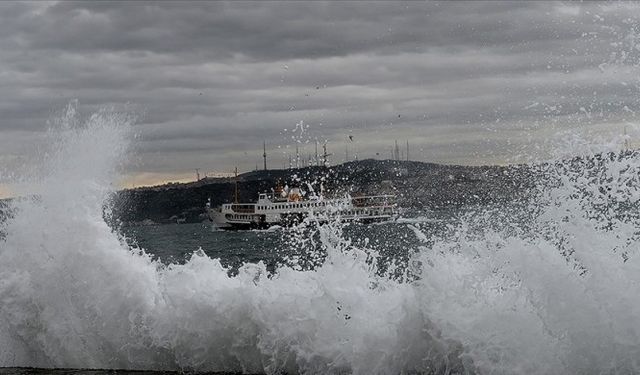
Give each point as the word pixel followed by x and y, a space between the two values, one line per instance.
pixel 544 286
pixel 176 243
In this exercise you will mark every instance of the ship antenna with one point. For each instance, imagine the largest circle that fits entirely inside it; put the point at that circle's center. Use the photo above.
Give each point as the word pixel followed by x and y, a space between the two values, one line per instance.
pixel 236 190
pixel 264 154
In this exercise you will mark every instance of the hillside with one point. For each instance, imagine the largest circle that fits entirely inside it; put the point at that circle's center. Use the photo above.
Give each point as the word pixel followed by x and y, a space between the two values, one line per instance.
pixel 418 186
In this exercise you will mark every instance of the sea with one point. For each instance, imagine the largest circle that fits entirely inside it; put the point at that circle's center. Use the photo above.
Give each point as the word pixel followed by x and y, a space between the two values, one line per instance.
pixel 544 285
pixel 278 246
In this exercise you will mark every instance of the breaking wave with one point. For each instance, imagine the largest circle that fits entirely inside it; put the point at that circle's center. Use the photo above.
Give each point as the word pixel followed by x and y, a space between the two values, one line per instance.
pixel 552 288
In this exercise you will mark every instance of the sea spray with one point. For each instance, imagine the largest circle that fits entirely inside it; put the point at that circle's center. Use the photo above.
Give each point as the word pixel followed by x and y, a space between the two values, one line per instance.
pixel 560 295
pixel 64 274
pixel 74 294
pixel 554 291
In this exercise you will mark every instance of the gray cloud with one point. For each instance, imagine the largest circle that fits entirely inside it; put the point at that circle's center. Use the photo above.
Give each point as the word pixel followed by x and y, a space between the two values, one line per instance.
pixel 466 82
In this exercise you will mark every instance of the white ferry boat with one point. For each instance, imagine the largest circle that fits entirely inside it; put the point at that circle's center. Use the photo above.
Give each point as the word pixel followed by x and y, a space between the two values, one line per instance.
pixel 287 207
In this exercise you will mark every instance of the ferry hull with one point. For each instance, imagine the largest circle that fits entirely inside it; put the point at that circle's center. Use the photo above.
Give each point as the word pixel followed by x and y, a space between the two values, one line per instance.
pixel 220 220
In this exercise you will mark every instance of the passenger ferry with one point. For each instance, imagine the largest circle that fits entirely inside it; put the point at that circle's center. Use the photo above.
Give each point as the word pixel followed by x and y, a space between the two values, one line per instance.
pixel 289 207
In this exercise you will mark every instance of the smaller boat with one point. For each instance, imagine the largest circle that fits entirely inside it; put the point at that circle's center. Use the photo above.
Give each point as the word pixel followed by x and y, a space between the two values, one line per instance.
pixel 287 207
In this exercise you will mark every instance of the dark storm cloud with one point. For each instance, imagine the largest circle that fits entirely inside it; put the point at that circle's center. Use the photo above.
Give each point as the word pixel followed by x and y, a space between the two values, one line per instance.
pixel 467 82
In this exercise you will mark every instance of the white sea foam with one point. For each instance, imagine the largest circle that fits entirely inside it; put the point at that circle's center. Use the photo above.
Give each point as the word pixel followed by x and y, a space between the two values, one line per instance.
pixel 561 299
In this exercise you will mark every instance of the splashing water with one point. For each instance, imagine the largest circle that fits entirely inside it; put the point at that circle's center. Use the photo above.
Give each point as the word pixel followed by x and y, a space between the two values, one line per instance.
pixel 73 294
pixel 556 295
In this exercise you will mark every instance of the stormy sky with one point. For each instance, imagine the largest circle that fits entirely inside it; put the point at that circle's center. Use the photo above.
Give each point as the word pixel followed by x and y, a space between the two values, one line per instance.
pixel 463 82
